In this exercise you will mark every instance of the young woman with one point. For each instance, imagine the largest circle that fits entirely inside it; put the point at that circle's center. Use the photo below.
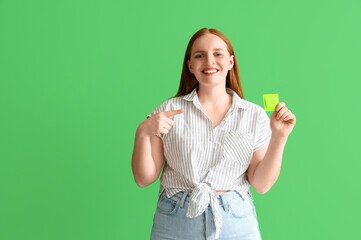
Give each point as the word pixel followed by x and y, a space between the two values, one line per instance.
pixel 214 145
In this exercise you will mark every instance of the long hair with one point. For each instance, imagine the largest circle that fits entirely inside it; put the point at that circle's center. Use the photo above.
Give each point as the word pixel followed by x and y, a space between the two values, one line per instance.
pixel 188 81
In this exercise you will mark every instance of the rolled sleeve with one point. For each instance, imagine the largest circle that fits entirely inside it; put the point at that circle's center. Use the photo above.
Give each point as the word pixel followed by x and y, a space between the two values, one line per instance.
pixel 263 130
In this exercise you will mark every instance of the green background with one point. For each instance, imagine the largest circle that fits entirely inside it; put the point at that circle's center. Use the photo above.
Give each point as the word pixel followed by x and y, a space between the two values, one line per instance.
pixel 78 77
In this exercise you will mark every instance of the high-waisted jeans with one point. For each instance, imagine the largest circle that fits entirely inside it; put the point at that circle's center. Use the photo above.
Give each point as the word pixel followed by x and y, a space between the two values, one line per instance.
pixel 239 219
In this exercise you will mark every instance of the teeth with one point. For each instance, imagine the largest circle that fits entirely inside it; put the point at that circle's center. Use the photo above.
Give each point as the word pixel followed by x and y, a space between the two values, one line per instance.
pixel 211 71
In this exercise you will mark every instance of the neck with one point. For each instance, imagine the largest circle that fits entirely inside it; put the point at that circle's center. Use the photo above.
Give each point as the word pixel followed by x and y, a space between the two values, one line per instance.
pixel 213 96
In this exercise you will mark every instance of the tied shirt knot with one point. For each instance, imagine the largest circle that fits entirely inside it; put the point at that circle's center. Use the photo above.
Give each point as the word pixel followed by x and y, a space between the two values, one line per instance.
pixel 202 196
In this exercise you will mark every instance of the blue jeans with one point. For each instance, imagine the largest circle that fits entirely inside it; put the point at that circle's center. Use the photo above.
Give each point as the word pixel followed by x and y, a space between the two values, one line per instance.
pixel 239 219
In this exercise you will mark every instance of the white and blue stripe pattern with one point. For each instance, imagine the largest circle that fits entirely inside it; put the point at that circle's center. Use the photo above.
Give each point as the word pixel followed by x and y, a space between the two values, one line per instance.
pixel 201 159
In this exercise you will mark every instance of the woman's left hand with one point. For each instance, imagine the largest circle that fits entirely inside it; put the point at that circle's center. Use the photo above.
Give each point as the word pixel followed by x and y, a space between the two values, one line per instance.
pixel 282 121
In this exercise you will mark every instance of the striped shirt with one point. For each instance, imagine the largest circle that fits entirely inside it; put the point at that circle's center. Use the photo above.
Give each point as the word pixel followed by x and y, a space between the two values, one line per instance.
pixel 201 160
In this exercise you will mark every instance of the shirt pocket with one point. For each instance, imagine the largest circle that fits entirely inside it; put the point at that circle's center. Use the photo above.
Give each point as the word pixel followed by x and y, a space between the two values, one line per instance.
pixel 238 147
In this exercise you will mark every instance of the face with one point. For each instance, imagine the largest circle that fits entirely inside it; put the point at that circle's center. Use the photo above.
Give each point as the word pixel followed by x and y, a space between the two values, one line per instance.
pixel 210 52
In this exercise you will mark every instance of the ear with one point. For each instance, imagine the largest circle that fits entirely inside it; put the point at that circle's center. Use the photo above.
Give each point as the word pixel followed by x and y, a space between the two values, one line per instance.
pixel 189 66
pixel 231 62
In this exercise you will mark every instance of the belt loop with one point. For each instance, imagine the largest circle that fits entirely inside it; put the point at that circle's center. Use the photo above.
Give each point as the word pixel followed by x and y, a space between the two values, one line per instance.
pixel 160 194
pixel 181 203
pixel 250 195
pixel 224 202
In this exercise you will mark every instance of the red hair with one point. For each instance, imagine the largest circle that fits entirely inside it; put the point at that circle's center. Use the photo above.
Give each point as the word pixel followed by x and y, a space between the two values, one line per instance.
pixel 188 81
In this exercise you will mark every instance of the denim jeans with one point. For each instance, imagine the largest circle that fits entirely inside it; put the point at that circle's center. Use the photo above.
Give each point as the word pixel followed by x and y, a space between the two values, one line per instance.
pixel 239 219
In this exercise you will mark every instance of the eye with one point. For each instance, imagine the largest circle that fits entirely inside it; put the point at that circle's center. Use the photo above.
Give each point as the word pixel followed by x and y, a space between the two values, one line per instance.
pixel 201 55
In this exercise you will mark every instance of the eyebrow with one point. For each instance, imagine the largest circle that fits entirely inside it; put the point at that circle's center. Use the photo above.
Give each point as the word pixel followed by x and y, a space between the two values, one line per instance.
pixel 204 51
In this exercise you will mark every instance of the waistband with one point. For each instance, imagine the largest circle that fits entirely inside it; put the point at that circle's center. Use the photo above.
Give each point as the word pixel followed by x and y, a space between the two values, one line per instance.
pixel 202 196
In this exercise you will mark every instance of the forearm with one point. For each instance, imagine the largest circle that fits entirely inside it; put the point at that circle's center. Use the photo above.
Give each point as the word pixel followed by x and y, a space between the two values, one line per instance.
pixel 143 165
pixel 268 170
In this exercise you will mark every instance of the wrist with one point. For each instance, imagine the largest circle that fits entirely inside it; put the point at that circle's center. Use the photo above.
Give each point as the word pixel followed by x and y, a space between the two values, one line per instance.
pixel 141 131
pixel 279 139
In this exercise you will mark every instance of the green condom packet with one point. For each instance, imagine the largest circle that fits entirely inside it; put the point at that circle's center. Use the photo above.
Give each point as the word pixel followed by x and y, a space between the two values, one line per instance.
pixel 270 101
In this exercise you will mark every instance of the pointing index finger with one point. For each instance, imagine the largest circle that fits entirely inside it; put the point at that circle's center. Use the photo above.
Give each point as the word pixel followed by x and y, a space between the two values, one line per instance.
pixel 174 112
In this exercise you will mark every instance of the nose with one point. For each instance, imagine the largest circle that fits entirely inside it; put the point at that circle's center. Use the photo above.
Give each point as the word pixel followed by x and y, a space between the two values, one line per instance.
pixel 210 59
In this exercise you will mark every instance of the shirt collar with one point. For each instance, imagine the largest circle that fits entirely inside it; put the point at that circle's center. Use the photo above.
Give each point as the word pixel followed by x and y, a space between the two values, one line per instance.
pixel 237 101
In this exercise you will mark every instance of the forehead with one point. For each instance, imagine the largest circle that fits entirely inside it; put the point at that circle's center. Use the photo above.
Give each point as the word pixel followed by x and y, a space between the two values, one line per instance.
pixel 208 42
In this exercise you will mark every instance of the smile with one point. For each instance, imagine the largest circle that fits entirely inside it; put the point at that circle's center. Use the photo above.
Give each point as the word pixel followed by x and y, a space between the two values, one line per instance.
pixel 211 72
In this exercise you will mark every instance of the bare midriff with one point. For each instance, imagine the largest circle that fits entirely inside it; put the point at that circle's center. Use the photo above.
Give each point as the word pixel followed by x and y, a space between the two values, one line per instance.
pixel 221 192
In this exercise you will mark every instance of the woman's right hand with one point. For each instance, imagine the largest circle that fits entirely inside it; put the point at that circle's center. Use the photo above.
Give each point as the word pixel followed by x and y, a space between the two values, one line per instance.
pixel 159 123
